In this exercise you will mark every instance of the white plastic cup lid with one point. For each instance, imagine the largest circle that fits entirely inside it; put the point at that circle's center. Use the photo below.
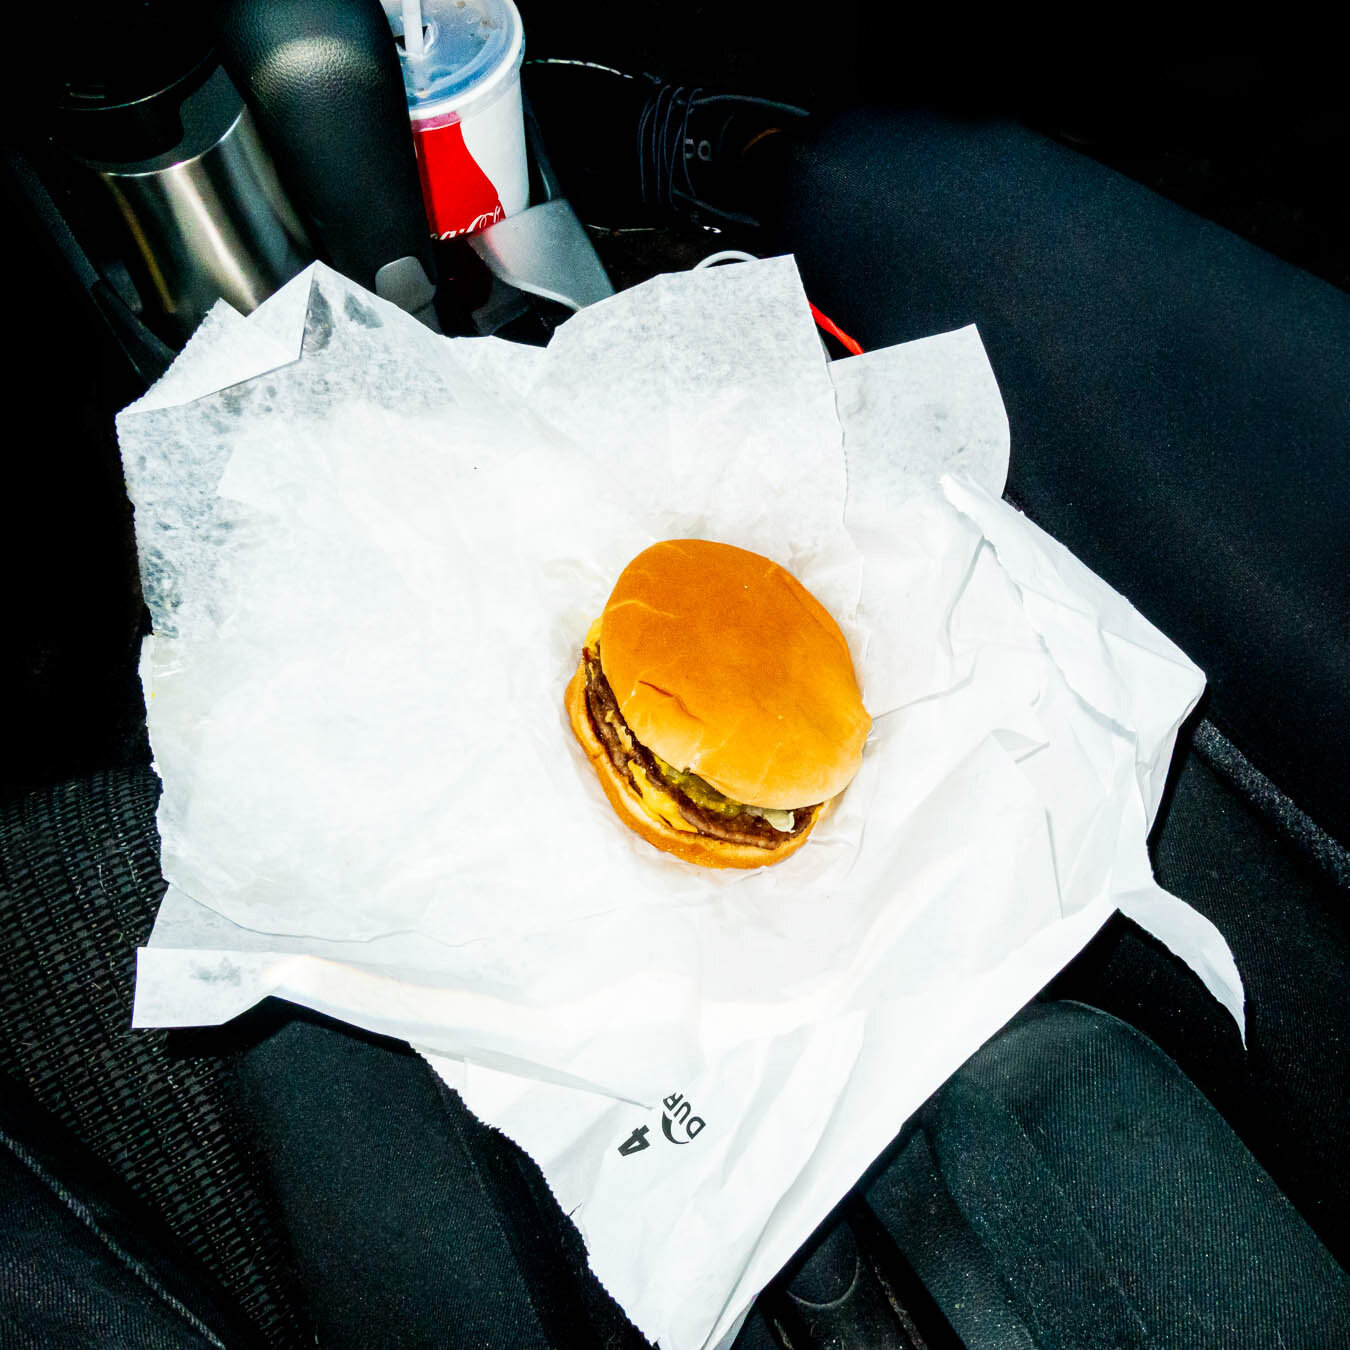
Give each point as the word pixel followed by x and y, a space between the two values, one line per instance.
pixel 472 47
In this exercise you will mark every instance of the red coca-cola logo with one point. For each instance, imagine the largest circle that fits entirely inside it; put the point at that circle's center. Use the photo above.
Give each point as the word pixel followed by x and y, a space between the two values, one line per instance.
pixel 460 198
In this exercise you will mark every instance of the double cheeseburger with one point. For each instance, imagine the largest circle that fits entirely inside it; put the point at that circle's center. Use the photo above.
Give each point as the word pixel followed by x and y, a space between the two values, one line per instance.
pixel 716 701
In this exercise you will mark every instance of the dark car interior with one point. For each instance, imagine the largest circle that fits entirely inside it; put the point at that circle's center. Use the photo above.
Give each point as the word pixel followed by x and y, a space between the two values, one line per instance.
pixel 1155 246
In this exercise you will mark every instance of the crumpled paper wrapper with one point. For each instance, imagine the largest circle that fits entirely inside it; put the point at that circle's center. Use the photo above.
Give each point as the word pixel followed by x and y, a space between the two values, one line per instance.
pixel 371 555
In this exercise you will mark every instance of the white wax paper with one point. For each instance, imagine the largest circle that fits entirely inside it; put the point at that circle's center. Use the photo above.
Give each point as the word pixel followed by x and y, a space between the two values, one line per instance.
pixel 371 555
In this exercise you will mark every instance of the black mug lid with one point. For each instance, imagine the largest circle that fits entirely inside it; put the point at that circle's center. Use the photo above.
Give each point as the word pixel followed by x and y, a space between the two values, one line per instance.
pixel 125 70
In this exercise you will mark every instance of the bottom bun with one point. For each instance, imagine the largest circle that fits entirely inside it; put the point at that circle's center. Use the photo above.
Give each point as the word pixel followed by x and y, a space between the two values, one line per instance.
pixel 704 849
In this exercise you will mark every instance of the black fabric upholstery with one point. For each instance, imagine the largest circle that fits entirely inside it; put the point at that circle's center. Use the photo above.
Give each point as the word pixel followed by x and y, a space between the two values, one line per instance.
pixel 1288 1093
pixel 79 886
pixel 1177 397
pixel 1069 1187
pixel 82 1262
pixel 1284 819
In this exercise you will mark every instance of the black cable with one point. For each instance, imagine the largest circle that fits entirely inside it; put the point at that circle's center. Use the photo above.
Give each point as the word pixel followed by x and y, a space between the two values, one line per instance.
pixel 662 135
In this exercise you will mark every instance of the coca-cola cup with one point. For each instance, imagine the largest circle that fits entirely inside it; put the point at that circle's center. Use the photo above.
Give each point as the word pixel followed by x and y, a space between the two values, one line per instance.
pixel 464 102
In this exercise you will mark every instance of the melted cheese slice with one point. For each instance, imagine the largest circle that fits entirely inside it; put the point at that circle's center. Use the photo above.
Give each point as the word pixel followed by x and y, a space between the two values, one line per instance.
pixel 658 804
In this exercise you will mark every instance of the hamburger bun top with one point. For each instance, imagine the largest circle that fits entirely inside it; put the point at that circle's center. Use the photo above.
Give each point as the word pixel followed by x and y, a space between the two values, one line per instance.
pixel 725 665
